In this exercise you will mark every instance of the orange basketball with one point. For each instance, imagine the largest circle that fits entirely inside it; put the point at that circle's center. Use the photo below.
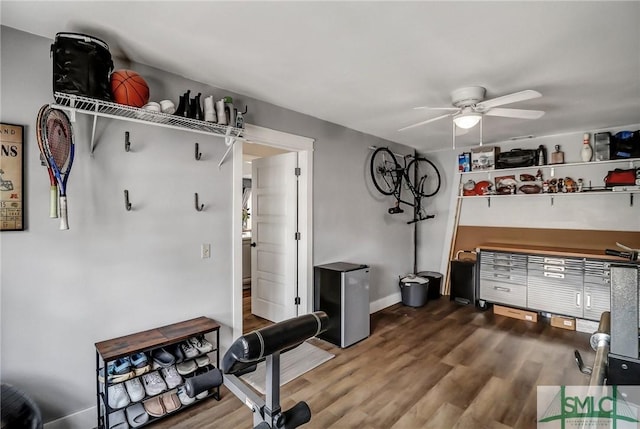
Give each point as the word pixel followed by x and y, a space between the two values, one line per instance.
pixel 129 88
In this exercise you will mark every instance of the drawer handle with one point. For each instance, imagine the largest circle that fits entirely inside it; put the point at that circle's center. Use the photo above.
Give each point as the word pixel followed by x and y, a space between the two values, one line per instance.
pixel 553 261
pixel 503 276
pixel 588 301
pixel 554 275
pixel 502 289
pixel 553 268
pixel 578 299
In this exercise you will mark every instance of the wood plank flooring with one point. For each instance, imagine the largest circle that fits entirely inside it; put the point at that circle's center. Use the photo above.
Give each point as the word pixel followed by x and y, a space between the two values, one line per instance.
pixel 440 366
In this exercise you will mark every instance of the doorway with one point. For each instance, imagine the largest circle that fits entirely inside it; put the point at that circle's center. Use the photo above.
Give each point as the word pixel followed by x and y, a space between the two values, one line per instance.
pixel 264 143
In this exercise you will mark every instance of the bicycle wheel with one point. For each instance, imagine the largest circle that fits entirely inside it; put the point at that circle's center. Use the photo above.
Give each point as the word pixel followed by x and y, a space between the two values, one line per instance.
pixel 385 171
pixel 424 176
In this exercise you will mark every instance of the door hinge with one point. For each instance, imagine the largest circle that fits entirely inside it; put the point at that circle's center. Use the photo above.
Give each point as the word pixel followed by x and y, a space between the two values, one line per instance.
pixel 297 236
pixel 297 171
pixel 297 300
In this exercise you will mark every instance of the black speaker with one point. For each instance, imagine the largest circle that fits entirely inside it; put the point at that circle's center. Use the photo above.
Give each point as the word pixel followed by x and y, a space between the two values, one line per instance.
pixel 463 282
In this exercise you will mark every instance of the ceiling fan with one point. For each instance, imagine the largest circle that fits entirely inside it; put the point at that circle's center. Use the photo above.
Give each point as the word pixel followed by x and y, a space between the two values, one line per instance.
pixel 470 106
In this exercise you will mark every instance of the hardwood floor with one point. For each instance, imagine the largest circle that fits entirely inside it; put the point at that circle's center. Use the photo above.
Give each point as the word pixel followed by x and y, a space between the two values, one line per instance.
pixel 440 366
pixel 249 321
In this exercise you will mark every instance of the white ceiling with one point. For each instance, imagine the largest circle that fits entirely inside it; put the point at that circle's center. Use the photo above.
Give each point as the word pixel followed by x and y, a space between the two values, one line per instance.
pixel 365 65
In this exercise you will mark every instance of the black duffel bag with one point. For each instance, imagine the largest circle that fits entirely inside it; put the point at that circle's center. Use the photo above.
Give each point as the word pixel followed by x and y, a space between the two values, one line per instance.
pixel 517 158
pixel 81 65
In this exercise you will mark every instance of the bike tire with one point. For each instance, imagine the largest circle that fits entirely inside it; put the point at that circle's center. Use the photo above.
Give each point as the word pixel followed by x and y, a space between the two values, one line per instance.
pixel 426 176
pixel 385 170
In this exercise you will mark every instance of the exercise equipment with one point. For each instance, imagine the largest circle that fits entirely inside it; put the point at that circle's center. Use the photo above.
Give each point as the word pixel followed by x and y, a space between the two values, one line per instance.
pixel 243 357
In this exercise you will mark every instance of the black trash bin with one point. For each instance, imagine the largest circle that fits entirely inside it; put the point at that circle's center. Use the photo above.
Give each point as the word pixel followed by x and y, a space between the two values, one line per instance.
pixel 435 279
pixel 414 290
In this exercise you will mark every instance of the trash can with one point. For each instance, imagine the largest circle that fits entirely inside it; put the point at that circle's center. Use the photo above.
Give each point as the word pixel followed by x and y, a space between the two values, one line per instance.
pixel 414 290
pixel 435 279
pixel 463 278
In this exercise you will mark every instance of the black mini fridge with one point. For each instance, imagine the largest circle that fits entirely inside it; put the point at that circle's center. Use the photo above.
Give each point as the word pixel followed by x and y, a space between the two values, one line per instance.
pixel 341 290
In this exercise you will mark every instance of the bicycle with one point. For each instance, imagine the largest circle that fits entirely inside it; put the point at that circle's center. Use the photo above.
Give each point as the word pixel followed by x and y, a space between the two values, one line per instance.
pixel 420 176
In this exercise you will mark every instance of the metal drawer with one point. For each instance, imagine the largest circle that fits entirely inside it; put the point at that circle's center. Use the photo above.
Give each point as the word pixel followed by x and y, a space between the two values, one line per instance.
pixel 503 293
pixel 564 300
pixel 596 300
pixel 507 277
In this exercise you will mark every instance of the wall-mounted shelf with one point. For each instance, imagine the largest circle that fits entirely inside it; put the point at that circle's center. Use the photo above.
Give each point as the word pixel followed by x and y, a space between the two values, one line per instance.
pixel 631 162
pixel 552 195
pixel 107 109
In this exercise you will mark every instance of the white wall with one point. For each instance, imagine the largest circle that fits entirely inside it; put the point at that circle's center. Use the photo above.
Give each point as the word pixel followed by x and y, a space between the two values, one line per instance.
pixel 117 272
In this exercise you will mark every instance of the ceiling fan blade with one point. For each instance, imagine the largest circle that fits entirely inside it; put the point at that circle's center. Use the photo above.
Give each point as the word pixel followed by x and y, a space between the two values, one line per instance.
pixel 426 122
pixel 515 113
pixel 436 108
pixel 527 94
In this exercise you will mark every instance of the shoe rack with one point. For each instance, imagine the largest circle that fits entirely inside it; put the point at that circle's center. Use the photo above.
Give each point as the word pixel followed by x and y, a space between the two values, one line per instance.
pixel 146 342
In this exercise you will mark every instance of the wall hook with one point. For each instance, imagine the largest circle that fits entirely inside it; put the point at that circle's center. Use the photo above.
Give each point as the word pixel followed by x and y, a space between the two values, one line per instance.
pixel 127 143
pixel 127 204
pixel 198 154
pixel 199 207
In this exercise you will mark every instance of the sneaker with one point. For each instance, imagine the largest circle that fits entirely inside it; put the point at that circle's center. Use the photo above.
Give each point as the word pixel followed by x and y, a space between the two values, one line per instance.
pixel 118 397
pixel 188 350
pixel 171 376
pixel 134 389
pixel 184 398
pixel 202 360
pixel 112 378
pixel 153 383
pixel 202 345
pixel 139 360
pixel 163 357
pixel 119 366
pixel 186 367
pixel 202 395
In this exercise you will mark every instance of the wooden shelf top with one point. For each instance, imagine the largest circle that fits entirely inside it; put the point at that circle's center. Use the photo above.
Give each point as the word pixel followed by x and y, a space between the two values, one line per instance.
pixel 123 346
pixel 547 250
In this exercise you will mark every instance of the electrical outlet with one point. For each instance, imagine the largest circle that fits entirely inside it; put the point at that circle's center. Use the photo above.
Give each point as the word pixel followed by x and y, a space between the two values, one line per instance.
pixel 205 251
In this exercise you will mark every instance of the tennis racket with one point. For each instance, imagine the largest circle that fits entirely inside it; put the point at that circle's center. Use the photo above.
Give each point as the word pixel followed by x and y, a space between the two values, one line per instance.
pixel 58 150
pixel 53 199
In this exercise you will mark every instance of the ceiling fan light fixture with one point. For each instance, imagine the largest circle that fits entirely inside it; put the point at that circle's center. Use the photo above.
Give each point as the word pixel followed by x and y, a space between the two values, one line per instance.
pixel 467 120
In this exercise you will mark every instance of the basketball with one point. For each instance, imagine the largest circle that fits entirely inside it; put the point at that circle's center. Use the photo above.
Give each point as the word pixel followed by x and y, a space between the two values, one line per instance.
pixel 129 88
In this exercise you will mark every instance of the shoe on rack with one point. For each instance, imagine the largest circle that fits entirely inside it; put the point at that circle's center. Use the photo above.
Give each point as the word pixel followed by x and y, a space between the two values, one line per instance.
pixel 136 415
pixel 176 351
pixel 188 350
pixel 113 378
pixel 119 366
pixel 134 389
pixel 145 369
pixel 170 402
pixel 184 398
pixel 118 397
pixel 117 420
pixel 202 360
pixel 171 376
pixel 202 345
pixel 139 360
pixel 202 395
pixel 154 407
pixel 163 357
pixel 153 383
pixel 186 367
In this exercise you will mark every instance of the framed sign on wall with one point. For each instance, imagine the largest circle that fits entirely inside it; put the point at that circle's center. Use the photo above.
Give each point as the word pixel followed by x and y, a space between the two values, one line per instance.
pixel 11 177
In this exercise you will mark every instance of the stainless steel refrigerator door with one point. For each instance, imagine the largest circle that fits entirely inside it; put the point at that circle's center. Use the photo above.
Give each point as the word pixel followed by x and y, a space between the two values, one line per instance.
pixel 355 306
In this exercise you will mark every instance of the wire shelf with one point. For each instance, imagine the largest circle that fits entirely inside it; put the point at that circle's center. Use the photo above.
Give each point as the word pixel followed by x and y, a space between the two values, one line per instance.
pixel 108 109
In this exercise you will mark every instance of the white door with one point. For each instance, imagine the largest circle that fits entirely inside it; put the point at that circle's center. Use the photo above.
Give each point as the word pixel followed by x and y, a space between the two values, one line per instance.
pixel 274 220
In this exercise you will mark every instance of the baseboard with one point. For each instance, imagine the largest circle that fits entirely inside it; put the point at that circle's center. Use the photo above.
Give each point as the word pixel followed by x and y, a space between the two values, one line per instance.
pixel 385 302
pixel 81 420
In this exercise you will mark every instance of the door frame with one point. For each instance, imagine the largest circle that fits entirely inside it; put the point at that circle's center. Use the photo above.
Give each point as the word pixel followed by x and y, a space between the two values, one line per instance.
pixel 304 147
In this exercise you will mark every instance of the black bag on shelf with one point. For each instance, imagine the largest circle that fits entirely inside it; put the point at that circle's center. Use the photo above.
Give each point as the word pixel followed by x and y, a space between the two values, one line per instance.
pixel 81 65
pixel 517 158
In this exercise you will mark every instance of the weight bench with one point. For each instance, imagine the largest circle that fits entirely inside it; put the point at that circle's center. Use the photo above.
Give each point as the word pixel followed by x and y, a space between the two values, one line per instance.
pixel 243 357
